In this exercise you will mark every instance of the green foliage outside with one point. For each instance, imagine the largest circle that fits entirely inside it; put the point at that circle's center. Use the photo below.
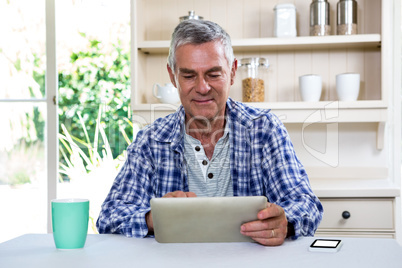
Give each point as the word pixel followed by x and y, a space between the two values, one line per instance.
pixel 96 80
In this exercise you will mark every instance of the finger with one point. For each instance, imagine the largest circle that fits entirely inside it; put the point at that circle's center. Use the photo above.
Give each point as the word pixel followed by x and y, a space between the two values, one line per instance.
pixel 266 224
pixel 191 194
pixel 280 232
pixel 266 234
pixel 255 226
pixel 270 242
pixel 168 195
pixel 270 211
pixel 273 237
pixel 179 194
pixel 279 224
pixel 176 194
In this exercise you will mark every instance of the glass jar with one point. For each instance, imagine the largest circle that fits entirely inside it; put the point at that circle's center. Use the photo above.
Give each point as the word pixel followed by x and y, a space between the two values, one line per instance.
pixel 285 20
pixel 254 73
pixel 319 18
pixel 346 21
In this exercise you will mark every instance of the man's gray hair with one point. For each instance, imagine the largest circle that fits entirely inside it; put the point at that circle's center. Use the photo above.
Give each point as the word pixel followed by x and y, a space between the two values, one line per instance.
pixel 199 32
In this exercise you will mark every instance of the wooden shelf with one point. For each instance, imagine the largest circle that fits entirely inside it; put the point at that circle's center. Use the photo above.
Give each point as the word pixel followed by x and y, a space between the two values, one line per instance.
pixel 308 42
pixel 328 111
pixel 305 113
pixel 301 112
pixel 290 43
pixel 359 104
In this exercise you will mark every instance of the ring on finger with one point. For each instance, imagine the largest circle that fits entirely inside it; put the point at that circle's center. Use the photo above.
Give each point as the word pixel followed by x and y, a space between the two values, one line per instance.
pixel 272 233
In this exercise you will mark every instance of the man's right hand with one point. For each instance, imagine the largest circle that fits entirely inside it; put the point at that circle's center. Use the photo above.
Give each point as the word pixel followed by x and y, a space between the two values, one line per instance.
pixel 148 216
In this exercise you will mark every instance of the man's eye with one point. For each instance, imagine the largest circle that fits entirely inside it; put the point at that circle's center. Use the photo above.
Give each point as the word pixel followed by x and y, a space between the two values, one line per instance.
pixel 214 75
pixel 188 76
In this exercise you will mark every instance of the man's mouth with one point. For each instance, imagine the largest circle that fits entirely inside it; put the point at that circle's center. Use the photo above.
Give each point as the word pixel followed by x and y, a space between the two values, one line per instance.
pixel 202 101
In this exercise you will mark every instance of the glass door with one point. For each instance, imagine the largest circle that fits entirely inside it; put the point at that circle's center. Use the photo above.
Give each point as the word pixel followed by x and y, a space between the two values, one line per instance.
pixel 93 56
pixel 24 110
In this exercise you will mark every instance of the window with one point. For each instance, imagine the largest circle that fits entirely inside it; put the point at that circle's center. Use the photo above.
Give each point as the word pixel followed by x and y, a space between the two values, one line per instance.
pixel 23 107
pixel 92 78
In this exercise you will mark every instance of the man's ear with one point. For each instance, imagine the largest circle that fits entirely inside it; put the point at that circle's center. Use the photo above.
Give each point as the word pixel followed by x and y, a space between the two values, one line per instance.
pixel 171 75
pixel 233 72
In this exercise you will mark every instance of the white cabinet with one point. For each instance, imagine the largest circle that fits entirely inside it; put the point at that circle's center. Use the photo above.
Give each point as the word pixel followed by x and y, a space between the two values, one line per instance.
pixel 345 146
pixel 358 216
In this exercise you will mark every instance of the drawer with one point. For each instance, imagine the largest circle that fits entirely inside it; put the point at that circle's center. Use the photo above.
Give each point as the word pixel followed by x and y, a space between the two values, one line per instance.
pixel 365 214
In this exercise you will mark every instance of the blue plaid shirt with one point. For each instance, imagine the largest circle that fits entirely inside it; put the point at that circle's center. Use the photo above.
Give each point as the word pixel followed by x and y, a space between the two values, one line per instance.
pixel 262 162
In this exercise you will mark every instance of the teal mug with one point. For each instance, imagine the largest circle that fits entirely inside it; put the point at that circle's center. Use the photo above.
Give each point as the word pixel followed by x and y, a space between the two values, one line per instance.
pixel 70 222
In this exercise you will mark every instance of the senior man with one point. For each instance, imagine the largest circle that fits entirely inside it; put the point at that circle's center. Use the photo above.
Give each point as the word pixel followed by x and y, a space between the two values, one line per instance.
pixel 212 146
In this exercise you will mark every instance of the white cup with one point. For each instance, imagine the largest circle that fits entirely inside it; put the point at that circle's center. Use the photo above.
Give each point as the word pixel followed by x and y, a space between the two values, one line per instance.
pixel 166 94
pixel 310 87
pixel 348 86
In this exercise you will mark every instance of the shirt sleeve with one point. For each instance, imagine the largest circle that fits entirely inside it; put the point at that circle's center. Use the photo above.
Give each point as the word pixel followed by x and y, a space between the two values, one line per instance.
pixel 124 208
pixel 288 184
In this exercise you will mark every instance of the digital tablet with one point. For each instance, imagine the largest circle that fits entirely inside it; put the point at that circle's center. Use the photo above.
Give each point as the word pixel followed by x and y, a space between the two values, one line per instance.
pixel 204 219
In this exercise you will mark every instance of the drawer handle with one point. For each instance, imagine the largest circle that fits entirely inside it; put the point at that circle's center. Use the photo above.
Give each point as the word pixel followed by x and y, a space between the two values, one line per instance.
pixel 346 214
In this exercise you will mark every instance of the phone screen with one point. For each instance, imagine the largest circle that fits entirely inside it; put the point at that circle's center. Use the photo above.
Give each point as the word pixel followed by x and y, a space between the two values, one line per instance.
pixel 325 243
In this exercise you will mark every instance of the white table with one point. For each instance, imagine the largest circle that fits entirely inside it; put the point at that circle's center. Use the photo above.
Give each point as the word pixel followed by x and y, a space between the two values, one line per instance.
pixel 38 250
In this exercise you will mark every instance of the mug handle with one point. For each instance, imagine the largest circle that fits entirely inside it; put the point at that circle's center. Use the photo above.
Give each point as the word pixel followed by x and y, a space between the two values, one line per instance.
pixel 153 91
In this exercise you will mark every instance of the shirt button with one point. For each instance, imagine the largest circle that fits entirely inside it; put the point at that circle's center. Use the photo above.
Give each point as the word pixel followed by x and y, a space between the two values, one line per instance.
pixel 210 175
pixel 204 162
pixel 197 148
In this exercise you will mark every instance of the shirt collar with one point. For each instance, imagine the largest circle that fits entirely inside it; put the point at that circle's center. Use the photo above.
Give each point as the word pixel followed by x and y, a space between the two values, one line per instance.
pixel 171 128
pixel 226 131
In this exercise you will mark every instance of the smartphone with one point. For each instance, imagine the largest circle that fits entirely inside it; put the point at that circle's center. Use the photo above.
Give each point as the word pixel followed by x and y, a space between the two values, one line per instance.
pixel 325 245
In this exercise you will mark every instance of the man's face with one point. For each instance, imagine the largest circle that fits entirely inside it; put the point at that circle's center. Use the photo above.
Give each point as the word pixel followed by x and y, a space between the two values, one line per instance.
pixel 203 78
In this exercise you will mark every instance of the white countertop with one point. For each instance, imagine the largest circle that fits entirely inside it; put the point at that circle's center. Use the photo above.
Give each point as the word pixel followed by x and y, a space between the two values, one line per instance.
pixel 344 188
pixel 38 250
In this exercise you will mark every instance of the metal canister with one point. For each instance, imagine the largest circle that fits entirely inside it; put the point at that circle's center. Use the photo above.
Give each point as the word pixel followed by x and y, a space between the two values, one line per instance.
pixel 191 16
pixel 319 18
pixel 346 21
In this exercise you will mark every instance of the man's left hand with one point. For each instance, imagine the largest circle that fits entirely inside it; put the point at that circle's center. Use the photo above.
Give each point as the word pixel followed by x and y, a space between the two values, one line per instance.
pixel 271 227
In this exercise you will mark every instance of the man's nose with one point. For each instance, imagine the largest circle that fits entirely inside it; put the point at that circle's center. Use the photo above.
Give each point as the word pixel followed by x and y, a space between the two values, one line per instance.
pixel 202 86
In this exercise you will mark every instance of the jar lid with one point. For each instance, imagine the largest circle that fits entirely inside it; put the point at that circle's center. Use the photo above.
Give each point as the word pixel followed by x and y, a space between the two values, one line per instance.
pixel 191 16
pixel 255 62
pixel 284 6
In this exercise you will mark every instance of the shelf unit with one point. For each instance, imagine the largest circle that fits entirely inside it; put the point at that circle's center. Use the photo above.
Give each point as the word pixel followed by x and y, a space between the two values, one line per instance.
pixel 250 24
pixel 298 113
pixel 282 44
